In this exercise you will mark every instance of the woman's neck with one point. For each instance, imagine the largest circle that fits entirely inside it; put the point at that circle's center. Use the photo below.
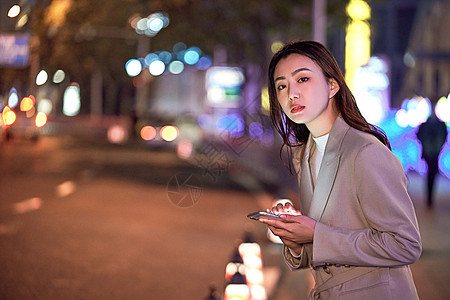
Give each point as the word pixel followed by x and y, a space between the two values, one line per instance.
pixel 322 125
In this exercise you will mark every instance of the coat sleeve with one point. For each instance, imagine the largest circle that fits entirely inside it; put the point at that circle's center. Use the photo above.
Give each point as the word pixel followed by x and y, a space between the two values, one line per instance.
pixel 305 257
pixel 298 262
pixel 392 238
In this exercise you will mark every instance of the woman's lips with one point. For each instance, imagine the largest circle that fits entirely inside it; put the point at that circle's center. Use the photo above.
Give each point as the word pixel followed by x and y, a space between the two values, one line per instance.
pixel 297 109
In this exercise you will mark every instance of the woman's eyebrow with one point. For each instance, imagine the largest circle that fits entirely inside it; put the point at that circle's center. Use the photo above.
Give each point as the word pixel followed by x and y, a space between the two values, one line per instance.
pixel 300 70
pixel 293 73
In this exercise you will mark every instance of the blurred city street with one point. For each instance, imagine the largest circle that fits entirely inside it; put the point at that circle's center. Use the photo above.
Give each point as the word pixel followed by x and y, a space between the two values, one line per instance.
pixel 136 139
pixel 83 220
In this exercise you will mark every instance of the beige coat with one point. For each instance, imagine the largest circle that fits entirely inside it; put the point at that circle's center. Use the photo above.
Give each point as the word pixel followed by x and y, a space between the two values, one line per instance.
pixel 366 234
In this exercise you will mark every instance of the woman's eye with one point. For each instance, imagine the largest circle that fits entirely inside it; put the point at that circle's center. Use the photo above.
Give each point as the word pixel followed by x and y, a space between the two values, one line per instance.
pixel 280 87
pixel 303 79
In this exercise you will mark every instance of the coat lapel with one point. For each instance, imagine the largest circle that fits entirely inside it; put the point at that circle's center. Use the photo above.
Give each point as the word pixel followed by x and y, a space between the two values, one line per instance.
pixel 328 169
pixel 306 181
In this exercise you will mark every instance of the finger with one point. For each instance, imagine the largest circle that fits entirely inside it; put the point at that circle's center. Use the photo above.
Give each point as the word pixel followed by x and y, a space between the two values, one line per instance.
pixel 289 218
pixel 289 208
pixel 288 205
pixel 275 210
pixel 280 207
pixel 279 232
pixel 269 221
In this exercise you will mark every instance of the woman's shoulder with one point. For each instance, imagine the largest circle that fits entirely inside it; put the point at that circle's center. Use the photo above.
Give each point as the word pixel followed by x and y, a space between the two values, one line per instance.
pixel 356 140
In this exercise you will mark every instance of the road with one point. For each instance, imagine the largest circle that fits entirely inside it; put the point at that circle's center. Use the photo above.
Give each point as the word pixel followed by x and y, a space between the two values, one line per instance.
pixel 76 225
pixel 95 221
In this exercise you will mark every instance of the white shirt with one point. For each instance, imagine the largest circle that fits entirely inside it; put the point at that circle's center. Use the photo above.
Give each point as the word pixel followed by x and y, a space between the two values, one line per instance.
pixel 317 156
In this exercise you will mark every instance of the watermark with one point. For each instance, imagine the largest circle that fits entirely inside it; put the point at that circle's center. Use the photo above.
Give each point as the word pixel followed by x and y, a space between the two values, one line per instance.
pixel 215 158
pixel 184 190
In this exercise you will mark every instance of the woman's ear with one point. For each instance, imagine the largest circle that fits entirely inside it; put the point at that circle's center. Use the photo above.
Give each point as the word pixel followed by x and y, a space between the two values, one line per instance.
pixel 334 87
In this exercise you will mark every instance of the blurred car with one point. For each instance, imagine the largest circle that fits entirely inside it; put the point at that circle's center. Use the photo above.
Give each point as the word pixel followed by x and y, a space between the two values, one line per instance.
pixel 183 135
pixel 23 121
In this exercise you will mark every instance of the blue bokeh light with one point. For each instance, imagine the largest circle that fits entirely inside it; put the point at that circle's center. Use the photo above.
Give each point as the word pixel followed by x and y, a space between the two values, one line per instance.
pixel 231 123
pixel 192 55
pixel 408 149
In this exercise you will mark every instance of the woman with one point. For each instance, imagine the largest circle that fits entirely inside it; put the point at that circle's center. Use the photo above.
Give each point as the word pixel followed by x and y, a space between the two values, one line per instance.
pixel 356 227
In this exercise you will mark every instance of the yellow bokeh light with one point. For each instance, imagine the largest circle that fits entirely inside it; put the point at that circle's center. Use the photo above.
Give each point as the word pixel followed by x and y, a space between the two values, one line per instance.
pixel 265 103
pixel 26 104
pixel 276 46
pixel 56 12
pixel 169 133
pixel 357 39
pixel 41 119
pixel 358 10
pixel 9 117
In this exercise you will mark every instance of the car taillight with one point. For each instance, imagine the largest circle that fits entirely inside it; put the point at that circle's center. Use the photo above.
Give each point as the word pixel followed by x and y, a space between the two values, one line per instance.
pixel 148 133
pixel 169 133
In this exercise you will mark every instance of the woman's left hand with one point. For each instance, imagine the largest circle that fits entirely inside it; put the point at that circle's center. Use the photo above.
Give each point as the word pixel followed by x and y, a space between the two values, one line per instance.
pixel 298 229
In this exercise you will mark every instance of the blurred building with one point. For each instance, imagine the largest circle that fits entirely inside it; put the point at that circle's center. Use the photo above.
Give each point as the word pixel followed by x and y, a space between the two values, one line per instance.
pixel 413 35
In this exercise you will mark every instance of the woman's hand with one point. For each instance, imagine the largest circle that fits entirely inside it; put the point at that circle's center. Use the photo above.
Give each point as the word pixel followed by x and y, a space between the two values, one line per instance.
pixel 293 228
pixel 286 208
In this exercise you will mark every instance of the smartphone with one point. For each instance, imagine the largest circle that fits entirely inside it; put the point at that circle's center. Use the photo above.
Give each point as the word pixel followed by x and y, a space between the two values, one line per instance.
pixel 260 214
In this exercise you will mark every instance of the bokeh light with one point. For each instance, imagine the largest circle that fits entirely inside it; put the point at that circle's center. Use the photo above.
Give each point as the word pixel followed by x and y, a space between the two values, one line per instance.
pixel 133 67
pixel 9 117
pixel 169 133
pixel 45 106
pixel 117 134
pixel 176 67
pixel 165 56
pixel 179 47
pixel 151 57
pixel 59 76
pixel 185 149
pixel 148 133
pixel 204 63
pixel 14 11
pixel 442 109
pixel 13 99
pixel 26 104
pixel 41 77
pixel 357 39
pixel 150 25
pixel 231 123
pixel 358 9
pixel 72 100
pixel 157 67
pixel 414 111
pixel 192 55
pixel 276 46
pixel 155 24
pixel 255 130
pixel 41 119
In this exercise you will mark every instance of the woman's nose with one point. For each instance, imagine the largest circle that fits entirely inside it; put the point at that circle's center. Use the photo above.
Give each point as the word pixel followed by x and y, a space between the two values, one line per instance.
pixel 293 94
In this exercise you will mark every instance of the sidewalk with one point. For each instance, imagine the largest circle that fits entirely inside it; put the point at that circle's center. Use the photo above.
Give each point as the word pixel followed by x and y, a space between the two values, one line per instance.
pixel 431 272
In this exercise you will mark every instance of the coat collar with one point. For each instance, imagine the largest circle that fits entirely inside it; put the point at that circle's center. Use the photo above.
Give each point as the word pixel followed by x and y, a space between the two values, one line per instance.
pixel 321 192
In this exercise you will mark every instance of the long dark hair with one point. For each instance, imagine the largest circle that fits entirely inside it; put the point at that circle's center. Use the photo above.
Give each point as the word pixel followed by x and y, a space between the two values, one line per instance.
pixel 294 134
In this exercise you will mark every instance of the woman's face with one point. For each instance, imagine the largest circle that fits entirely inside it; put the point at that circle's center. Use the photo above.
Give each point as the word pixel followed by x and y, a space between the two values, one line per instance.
pixel 304 93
